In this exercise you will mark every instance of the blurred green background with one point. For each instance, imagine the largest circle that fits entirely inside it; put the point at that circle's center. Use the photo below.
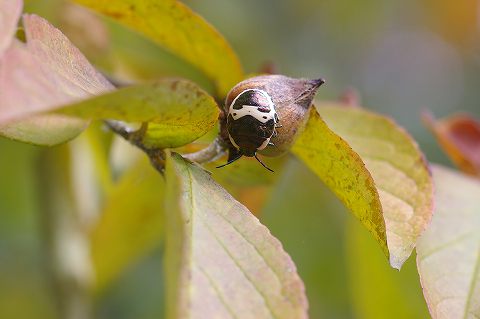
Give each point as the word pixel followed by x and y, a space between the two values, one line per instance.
pixel 401 56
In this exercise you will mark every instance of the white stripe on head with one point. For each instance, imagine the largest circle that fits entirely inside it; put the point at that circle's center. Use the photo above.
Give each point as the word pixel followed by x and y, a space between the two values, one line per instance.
pixel 253 110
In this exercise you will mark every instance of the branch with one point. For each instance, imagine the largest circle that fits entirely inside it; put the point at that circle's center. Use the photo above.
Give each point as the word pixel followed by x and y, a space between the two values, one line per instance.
pixel 209 154
pixel 157 156
pixel 135 137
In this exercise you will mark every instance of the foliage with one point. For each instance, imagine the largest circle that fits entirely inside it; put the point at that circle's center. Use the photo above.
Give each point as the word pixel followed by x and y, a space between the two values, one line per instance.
pixel 452 289
pixel 220 261
pixel 174 26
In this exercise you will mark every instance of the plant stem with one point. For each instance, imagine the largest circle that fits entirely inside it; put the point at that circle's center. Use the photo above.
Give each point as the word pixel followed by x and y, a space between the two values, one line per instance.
pixel 215 150
pixel 212 152
pixel 156 155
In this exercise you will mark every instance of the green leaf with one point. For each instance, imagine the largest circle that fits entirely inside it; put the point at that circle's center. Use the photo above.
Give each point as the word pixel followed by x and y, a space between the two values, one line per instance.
pixel 177 111
pixel 221 262
pixel 177 28
pixel 46 130
pixel 131 223
pixel 378 291
pixel 390 181
pixel 449 252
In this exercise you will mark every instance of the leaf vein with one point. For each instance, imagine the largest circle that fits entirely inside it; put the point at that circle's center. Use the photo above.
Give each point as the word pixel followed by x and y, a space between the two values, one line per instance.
pixel 265 299
pixel 447 244
pixel 398 198
pixel 258 252
pixel 192 209
pixel 475 276
pixel 217 290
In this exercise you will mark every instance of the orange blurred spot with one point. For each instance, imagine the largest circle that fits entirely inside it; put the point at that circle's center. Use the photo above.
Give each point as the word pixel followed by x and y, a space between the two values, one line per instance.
pixel 456 21
pixel 459 136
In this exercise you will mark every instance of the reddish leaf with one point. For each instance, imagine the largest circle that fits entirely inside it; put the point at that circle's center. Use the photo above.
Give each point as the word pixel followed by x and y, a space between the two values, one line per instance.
pixel 459 136
pixel 9 13
pixel 71 70
pixel 26 86
pixel 46 72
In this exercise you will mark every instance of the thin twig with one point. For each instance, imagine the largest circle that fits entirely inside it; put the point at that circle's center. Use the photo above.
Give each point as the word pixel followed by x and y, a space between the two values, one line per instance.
pixel 157 156
pixel 212 152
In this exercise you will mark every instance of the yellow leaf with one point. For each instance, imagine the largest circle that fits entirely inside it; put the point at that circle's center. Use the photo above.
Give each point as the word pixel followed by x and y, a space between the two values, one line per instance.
pixel 177 28
pixel 177 111
pixel 381 175
pixel 344 172
pixel 130 225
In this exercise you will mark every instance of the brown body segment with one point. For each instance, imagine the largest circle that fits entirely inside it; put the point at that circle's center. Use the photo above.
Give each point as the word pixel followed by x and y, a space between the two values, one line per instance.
pixel 292 99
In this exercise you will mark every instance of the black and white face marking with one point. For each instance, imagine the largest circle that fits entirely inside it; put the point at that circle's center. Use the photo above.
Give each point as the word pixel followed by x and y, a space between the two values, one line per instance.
pixel 256 103
pixel 251 123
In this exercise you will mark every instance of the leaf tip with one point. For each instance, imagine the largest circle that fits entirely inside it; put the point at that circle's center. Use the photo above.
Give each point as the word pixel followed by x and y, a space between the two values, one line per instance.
pixel 395 263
